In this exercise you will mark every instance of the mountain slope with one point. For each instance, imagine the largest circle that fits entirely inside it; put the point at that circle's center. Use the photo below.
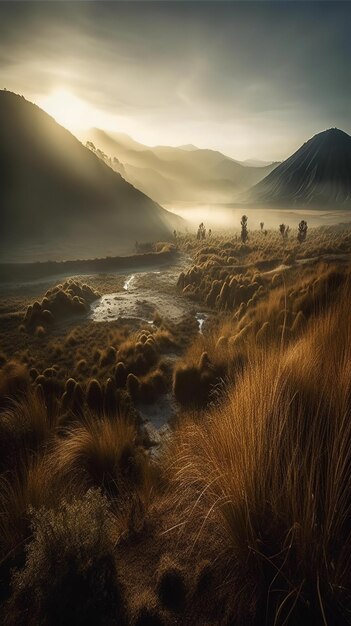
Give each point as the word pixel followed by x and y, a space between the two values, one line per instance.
pixel 184 173
pixel 318 174
pixel 54 189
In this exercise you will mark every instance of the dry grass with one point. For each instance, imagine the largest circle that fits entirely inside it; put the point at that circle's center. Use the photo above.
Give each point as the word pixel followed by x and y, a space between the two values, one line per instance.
pixel 244 518
pixel 267 476
pixel 101 453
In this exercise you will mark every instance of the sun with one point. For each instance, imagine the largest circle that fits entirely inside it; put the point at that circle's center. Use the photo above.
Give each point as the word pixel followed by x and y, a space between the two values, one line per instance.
pixel 72 112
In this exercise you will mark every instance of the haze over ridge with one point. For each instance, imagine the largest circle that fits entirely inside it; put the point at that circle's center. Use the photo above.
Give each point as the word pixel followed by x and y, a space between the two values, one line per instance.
pixel 227 76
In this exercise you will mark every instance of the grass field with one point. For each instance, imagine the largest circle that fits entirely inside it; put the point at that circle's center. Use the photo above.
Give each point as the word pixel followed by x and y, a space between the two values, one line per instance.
pixel 239 511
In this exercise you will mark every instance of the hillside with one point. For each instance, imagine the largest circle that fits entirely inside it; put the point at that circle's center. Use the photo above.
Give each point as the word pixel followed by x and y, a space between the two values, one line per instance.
pixel 318 174
pixel 169 174
pixel 56 193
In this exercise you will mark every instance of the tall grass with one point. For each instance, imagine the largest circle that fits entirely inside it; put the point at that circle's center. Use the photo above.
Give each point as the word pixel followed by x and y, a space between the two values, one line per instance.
pixel 268 477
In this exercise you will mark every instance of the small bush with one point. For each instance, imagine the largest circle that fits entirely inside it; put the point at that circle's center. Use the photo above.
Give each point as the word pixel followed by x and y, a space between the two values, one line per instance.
pixel 40 331
pixel 102 453
pixel 14 382
pixel 171 586
pixel 95 399
pixel 120 375
pixel 70 574
pixel 133 385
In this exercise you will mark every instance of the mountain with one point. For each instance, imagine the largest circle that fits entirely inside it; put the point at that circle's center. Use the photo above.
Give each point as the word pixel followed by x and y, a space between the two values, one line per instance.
pixel 173 174
pixel 318 174
pixel 56 191
pixel 258 163
pixel 188 146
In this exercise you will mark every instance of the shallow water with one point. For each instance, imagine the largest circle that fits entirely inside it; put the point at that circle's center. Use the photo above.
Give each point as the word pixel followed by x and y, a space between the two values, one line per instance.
pixel 201 319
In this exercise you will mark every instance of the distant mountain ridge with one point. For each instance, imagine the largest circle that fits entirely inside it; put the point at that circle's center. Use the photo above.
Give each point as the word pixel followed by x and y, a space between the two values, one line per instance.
pixel 172 174
pixel 53 188
pixel 317 174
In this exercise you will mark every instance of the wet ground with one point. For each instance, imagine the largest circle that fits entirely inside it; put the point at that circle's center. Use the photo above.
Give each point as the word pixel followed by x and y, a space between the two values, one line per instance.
pixel 135 296
pixel 146 295
pixel 142 297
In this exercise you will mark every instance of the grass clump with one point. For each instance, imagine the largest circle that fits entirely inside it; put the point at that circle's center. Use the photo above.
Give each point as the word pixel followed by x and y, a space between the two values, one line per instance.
pixel 102 453
pixel 171 585
pixel 68 299
pixel 269 473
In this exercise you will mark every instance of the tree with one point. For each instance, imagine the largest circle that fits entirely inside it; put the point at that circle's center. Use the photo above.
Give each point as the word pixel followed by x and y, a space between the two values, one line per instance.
pixel 244 233
pixel 261 225
pixel 302 231
pixel 282 230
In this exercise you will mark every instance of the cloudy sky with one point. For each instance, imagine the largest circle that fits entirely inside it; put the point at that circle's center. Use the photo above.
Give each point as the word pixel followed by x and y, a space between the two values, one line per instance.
pixel 253 79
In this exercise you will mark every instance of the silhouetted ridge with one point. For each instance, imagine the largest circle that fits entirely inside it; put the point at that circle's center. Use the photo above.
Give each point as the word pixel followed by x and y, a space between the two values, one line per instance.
pixel 319 173
pixel 53 188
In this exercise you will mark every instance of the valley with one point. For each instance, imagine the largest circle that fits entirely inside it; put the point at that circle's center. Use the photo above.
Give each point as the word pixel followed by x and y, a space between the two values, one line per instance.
pixel 175 328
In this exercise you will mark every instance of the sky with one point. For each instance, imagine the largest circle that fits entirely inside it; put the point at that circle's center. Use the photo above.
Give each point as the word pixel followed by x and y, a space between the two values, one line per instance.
pixel 252 79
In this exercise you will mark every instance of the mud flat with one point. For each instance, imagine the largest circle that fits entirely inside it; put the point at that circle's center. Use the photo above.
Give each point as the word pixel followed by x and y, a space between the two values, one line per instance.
pixel 10 272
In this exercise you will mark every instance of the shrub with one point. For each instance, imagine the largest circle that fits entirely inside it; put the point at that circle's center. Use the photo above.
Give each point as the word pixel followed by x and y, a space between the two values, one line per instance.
pixel 186 385
pixel 171 586
pixel 95 399
pixel 40 331
pixel 269 472
pixel 25 427
pixel 108 357
pixel 14 382
pixel 110 398
pixel 102 453
pixel 147 612
pixel 120 375
pixel 133 386
pixel 70 574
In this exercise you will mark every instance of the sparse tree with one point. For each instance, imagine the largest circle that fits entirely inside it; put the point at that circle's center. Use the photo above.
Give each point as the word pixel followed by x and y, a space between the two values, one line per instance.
pixel 282 230
pixel 261 225
pixel 244 233
pixel 201 232
pixel 302 231
pixel 265 232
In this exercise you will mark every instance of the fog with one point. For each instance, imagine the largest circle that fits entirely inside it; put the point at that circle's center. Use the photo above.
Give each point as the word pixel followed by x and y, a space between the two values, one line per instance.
pixel 221 217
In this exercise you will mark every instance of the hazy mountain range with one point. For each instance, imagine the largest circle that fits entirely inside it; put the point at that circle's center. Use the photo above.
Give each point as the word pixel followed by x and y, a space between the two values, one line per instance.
pixel 317 174
pixel 97 200
pixel 186 173
pixel 54 189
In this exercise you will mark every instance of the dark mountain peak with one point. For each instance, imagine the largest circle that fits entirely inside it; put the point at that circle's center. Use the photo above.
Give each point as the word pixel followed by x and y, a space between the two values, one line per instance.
pixel 318 173
pixel 330 137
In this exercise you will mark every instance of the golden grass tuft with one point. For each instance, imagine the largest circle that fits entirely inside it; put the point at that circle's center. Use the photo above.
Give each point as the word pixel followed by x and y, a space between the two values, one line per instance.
pixel 267 476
